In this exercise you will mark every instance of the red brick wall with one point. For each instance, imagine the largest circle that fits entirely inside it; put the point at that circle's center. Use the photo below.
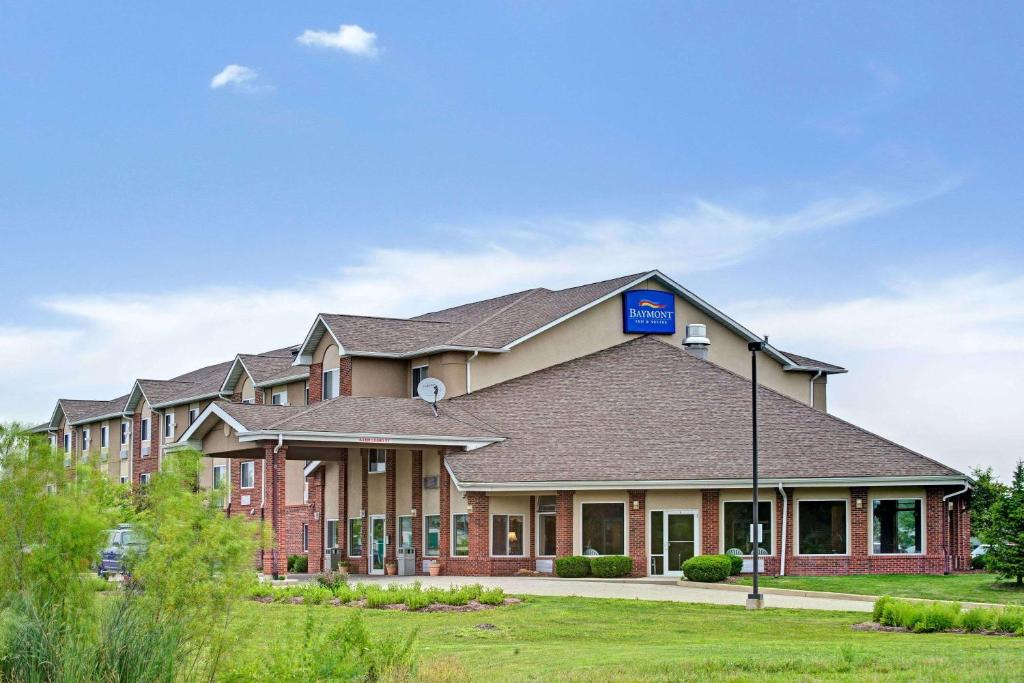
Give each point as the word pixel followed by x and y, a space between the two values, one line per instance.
pixel 563 523
pixel 533 531
pixel 390 459
pixel 316 383
pixel 637 515
pixel 445 511
pixel 709 521
pixel 345 381
pixel 363 563
pixel 343 504
pixel 276 562
pixel 417 504
pixel 150 463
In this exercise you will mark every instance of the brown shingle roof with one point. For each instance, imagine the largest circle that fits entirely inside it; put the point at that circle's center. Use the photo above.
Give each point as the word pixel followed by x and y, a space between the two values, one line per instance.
pixel 364 334
pixel 264 369
pixel 811 363
pixel 648 411
pixel 80 411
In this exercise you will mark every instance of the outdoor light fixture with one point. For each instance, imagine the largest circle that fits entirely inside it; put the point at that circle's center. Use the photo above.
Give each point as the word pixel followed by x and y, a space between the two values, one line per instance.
pixel 636 504
pixel 754 599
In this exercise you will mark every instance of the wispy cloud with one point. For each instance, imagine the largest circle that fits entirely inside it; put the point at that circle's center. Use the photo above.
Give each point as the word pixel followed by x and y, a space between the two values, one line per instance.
pixel 350 38
pixel 238 77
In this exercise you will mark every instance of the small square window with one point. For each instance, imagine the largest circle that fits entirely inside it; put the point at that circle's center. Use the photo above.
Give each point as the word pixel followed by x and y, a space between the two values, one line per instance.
pixel 247 475
pixel 144 479
pixel 123 479
pixel 279 398
pixel 377 461
pixel 419 373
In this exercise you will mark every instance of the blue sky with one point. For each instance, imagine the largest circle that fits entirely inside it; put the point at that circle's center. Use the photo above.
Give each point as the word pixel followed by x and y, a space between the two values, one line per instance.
pixel 845 179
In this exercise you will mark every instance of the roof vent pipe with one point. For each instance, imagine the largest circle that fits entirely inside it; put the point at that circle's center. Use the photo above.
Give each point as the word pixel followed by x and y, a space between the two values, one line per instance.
pixel 697 342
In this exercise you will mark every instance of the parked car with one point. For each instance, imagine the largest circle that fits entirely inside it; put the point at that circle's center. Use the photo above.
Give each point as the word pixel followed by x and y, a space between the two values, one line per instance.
pixel 978 556
pixel 123 544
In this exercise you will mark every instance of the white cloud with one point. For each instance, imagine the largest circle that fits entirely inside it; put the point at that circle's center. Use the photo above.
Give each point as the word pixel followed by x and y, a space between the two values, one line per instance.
pixel 350 38
pixel 936 365
pixel 236 76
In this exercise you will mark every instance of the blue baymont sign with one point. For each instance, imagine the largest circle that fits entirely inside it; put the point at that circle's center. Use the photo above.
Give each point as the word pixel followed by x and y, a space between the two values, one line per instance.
pixel 648 311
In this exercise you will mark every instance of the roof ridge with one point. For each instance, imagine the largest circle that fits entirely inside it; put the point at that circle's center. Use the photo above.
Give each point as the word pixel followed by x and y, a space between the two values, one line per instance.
pixel 503 309
pixel 381 317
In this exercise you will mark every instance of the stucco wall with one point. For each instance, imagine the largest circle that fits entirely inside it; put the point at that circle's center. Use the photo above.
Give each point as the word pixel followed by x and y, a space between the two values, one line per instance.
pixel 379 377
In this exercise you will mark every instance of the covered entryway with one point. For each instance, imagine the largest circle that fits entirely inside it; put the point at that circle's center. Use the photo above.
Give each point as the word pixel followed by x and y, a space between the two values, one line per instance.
pixel 673 539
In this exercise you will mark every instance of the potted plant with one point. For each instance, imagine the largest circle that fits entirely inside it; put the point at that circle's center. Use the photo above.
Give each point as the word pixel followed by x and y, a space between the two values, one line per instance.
pixel 343 567
pixel 434 568
pixel 390 568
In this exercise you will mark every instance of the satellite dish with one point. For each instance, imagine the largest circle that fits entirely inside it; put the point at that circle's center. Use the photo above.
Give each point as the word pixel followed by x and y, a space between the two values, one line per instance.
pixel 431 390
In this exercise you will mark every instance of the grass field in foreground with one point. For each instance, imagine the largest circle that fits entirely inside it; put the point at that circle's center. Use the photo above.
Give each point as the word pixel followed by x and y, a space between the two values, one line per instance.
pixel 589 639
pixel 974 587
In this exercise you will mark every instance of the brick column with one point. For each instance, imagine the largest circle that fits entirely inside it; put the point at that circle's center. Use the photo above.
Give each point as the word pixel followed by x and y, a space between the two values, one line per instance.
pixel 859 541
pixel 479 517
pixel 136 448
pixel 445 511
pixel 709 522
pixel 563 523
pixel 345 375
pixel 935 516
pixel 417 506
pixel 390 525
pixel 533 532
pixel 364 562
pixel 316 520
pixel 276 562
pixel 316 383
pixel 343 505
pixel 637 515
pixel 790 542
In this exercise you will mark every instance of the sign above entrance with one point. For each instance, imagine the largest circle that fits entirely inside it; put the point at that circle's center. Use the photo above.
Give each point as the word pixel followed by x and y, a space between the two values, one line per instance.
pixel 648 311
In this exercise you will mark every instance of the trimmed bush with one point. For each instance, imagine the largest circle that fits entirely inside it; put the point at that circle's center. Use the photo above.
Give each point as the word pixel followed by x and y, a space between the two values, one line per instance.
pixel 610 566
pixel 938 616
pixel 492 596
pixel 707 568
pixel 572 567
pixel 737 564
pixel 879 607
pixel 298 564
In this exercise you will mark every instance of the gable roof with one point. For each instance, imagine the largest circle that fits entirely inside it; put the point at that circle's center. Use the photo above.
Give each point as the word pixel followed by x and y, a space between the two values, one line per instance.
pixel 192 386
pixel 265 369
pixel 78 412
pixel 660 415
pixel 499 324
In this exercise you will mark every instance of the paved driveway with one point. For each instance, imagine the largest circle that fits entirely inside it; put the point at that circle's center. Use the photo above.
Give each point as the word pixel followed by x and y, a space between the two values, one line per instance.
pixel 630 589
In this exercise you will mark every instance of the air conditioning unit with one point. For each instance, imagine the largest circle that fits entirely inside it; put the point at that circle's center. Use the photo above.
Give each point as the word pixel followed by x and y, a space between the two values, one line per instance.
pixel 377 467
pixel 124 453
pixel 430 482
pixel 145 449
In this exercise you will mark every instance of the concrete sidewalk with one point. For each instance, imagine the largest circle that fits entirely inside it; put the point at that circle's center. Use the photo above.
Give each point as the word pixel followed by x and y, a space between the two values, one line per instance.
pixel 665 590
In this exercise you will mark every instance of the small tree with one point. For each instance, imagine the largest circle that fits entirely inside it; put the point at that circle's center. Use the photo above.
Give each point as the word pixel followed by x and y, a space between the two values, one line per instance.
pixel 1005 531
pixel 987 490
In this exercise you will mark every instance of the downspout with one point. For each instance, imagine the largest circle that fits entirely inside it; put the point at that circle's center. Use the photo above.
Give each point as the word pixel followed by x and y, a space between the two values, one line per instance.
pixel 785 518
pixel 810 398
pixel 945 523
pixel 469 375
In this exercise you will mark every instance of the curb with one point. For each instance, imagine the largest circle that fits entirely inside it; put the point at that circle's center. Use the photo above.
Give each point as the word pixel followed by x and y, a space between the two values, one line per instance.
pixel 853 597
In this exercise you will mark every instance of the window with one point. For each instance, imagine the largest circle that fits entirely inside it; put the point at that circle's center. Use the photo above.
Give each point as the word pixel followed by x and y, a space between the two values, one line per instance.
pixel 405 532
pixel 248 401
pixel 125 431
pixel 144 479
pixel 248 475
pixel 145 430
pixel 822 527
pixel 220 476
pixel 331 542
pixel 331 384
pixel 419 373
pixel 305 490
pixel 896 526
pixel 168 425
pixel 279 398
pixel 432 543
pixel 604 528
pixel 85 438
pixel 546 526
pixel 355 537
pixel 737 516
pixel 104 436
pixel 67 442
pixel 305 390
pixel 51 489
pixel 506 535
pixel 123 479
pixel 305 538
pixel 193 415
pixel 460 535
pixel 377 461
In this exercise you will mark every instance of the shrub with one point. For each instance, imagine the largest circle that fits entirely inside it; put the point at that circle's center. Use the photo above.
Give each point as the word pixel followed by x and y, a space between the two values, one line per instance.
pixel 880 604
pixel 610 566
pixel 415 600
pixel 709 568
pixel 298 564
pixel 737 564
pixel 572 567
pixel 1010 620
pixel 978 562
pixel 492 596
pixel 331 579
pixel 977 619
pixel 261 589
pixel 317 595
pixel 938 616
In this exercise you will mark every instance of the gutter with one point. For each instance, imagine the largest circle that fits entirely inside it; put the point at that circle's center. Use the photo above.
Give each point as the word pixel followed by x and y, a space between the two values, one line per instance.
pixel 469 376
pixel 810 397
pixel 785 518
pixel 945 523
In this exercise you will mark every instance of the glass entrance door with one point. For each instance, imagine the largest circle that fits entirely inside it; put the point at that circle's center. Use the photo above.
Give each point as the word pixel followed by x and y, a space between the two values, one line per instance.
pixel 378 543
pixel 673 540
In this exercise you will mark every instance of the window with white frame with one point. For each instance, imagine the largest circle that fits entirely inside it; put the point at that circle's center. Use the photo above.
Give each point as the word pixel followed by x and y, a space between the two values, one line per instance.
pixel 305 391
pixel 123 479
pixel 377 460
pixel 305 538
pixel 168 425
pixel 144 429
pixel 249 401
pixel 247 474
pixel 419 373
pixel 67 442
pixel 432 535
pixel 86 433
pixel 355 537
pixel 331 541
pixel 125 431
pixel 104 436
pixel 506 535
pixel 737 517
pixel 604 528
pixel 193 415
pixel 51 489
pixel 279 397
pixel 460 535
pixel 220 476
pixel 896 526
pixel 332 384
pixel 144 479
pixel 822 527
pixel 305 490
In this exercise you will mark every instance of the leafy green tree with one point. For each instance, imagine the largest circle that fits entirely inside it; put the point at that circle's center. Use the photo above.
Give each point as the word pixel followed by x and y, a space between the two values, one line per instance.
pixel 987 490
pixel 1005 531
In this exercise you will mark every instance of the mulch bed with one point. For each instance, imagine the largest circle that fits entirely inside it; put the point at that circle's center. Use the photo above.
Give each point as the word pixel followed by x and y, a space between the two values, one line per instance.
pixel 875 626
pixel 471 606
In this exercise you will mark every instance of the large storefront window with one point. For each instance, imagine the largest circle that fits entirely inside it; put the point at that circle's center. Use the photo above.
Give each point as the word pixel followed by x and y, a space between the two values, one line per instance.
pixel 604 526
pixel 737 516
pixel 460 535
pixel 432 546
pixel 896 526
pixel 355 537
pixel 507 535
pixel 822 527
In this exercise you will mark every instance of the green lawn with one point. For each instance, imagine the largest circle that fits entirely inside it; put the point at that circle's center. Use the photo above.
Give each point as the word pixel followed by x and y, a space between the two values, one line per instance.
pixel 975 587
pixel 584 639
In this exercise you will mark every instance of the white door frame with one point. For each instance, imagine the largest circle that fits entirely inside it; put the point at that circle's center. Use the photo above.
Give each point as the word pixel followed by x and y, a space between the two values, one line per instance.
pixel 664 537
pixel 369 557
